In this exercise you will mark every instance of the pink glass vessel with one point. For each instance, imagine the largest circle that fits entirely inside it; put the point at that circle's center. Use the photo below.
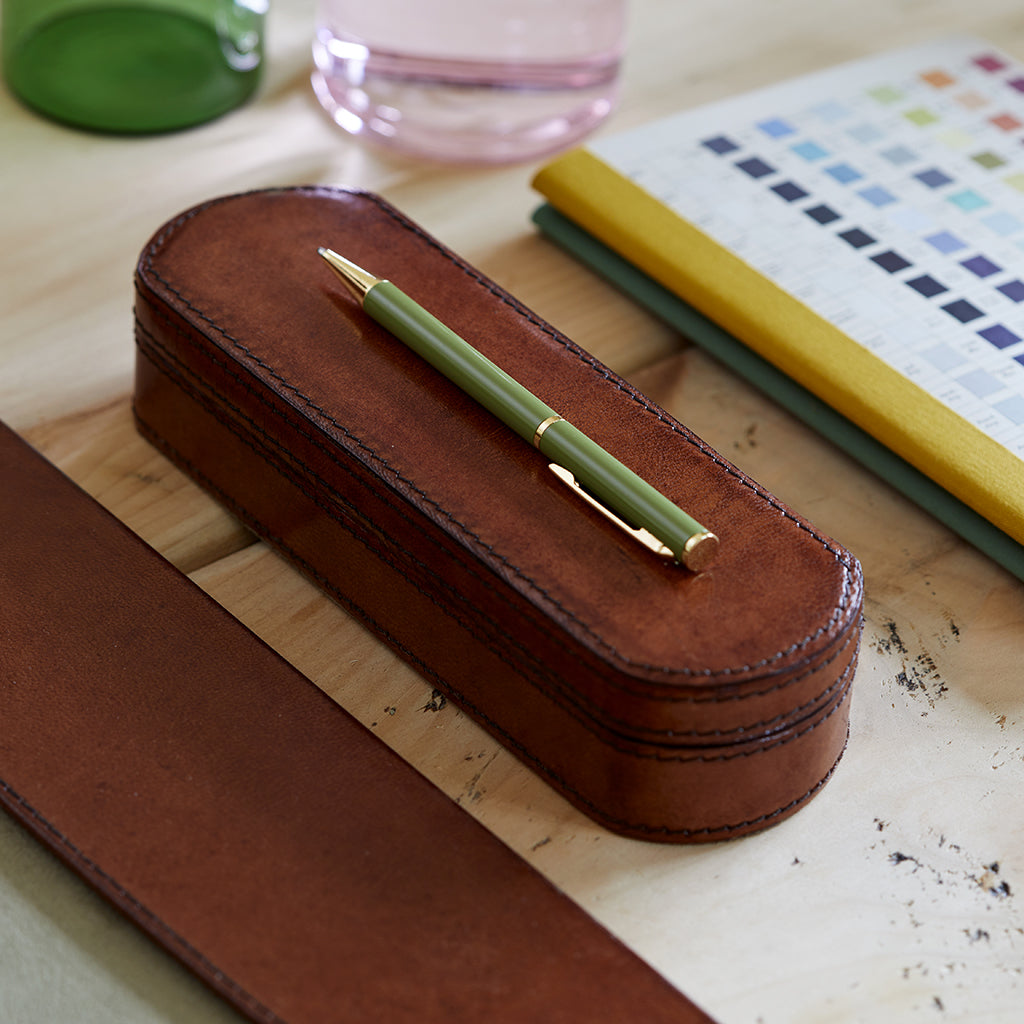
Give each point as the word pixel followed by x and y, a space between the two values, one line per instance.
pixel 484 81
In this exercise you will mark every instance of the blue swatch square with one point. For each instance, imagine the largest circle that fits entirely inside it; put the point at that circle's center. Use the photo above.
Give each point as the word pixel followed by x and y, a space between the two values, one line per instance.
pixel 980 266
pixel 980 383
pixel 927 286
pixel 944 358
pixel 1013 290
pixel 891 261
pixel 789 191
pixel 933 178
pixel 830 111
pixel 810 150
pixel 1002 223
pixel 1012 409
pixel 720 145
pixel 945 242
pixel 877 196
pixel 844 173
pixel 910 219
pixel 857 238
pixel 899 155
pixel 1000 336
pixel 776 127
pixel 968 200
pixel 962 310
pixel 865 133
pixel 755 167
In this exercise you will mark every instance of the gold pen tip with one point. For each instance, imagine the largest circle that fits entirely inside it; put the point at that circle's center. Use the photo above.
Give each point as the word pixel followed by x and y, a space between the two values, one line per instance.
pixel 359 281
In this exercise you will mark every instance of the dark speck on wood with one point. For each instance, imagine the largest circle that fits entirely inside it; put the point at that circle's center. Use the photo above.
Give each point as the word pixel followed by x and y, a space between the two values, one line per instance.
pixel 438 701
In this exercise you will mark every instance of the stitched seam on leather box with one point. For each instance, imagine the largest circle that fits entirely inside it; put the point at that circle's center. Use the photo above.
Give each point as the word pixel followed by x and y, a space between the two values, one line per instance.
pixel 445 684
pixel 635 396
pixel 570 698
pixel 399 509
pixel 108 883
pixel 337 503
pixel 590 716
pixel 523 752
pixel 573 696
pixel 363 537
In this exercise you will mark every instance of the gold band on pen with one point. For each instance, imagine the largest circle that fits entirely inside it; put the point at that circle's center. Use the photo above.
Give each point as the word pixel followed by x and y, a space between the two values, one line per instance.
pixel 541 427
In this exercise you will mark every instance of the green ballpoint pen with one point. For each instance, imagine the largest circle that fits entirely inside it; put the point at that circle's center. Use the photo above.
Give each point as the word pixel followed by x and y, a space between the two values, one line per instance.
pixel 594 473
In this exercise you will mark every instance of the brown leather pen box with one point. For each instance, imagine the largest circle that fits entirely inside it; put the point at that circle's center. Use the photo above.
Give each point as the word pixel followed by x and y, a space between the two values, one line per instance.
pixel 665 704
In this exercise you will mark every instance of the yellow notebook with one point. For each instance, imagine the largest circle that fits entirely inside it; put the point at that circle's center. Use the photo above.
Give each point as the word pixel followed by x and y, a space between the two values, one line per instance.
pixel 862 229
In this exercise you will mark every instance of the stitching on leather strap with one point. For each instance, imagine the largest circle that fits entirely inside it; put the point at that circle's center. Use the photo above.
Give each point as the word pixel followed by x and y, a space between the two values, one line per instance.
pixel 107 882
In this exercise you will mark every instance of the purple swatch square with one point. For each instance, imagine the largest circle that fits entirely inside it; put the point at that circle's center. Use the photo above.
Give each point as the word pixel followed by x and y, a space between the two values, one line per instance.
pixel 720 144
pixel 962 310
pixel 789 191
pixel 927 286
pixel 856 237
pixel 933 178
pixel 755 167
pixel 1013 290
pixel 891 261
pixel 1000 336
pixel 822 214
pixel 980 266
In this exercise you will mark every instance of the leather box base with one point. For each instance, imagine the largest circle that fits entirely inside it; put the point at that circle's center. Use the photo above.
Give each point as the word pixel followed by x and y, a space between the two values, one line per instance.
pixel 665 704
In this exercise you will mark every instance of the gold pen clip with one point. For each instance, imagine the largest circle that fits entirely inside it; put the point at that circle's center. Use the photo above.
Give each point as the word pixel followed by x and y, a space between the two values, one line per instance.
pixel 638 533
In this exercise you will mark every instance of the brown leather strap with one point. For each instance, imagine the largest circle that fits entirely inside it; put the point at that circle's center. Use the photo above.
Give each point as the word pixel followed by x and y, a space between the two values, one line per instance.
pixel 247 823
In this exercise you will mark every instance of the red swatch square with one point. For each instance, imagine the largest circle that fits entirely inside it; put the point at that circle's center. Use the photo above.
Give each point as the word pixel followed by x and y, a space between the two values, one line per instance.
pixel 1007 122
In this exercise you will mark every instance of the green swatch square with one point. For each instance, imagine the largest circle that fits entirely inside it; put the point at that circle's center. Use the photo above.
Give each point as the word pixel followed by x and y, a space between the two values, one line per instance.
pixel 988 160
pixel 885 93
pixel 920 116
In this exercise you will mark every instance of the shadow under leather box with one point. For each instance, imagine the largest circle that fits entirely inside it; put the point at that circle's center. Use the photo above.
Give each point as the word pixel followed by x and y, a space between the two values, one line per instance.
pixel 665 704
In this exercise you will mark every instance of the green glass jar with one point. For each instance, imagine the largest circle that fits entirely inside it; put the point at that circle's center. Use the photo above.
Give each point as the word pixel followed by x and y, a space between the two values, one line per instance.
pixel 130 65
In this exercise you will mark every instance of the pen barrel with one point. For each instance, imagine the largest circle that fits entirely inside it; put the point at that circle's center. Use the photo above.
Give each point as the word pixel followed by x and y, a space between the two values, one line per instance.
pixel 617 487
pixel 463 365
pixel 596 470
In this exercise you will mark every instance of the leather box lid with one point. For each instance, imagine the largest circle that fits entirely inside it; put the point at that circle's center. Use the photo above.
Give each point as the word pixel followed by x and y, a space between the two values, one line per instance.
pixel 244 272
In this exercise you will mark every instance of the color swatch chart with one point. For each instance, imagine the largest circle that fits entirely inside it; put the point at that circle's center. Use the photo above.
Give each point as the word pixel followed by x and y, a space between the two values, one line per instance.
pixel 887 195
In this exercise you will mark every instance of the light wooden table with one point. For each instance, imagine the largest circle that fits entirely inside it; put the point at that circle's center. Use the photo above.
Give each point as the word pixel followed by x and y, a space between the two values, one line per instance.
pixel 895 896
